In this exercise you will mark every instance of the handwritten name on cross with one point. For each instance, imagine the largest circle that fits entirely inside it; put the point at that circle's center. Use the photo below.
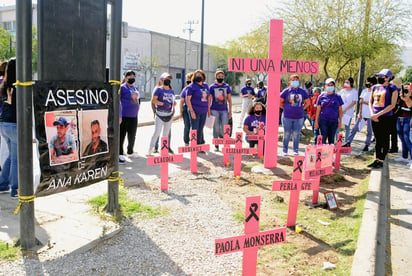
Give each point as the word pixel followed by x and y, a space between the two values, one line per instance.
pixel 260 137
pixel 238 151
pixel 274 66
pixel 164 159
pixel 339 150
pixel 295 186
pixel 252 240
pixel 194 148
pixel 226 141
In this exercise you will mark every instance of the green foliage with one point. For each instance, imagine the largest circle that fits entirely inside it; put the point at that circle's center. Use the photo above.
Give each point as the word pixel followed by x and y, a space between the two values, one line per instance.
pixel 9 252
pixel 6 49
pixel 408 75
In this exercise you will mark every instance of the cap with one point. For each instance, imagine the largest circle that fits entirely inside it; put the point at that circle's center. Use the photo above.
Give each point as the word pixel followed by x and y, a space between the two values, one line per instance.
pixel 165 76
pixel 329 80
pixel 384 72
pixel 61 121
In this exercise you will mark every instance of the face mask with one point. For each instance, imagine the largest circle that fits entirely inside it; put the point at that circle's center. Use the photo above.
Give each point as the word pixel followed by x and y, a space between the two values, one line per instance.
pixel 295 83
pixel 248 84
pixel 219 80
pixel 198 79
pixel 166 82
pixel 130 81
pixel 330 88
pixel 188 82
pixel 381 80
pixel 258 112
pixel 346 85
pixel 368 85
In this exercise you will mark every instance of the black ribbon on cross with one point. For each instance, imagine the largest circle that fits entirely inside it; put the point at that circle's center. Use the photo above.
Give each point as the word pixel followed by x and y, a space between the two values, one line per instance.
pixel 253 208
pixel 227 131
pixel 193 137
pixel 165 144
pixel 239 138
pixel 340 138
pixel 319 158
pixel 262 127
pixel 299 164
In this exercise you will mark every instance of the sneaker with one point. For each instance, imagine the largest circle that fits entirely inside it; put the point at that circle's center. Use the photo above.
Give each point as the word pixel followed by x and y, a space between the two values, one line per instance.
pixel 295 153
pixel 132 155
pixel 346 145
pixel 365 148
pixel 150 152
pixel 378 165
pixel 122 159
pixel 395 150
pixel 284 154
pixel 6 191
pixel 373 164
pixel 186 144
pixel 216 147
pixel 401 159
pixel 171 151
pixel 410 163
pixel 156 151
pixel 15 196
pixel 202 151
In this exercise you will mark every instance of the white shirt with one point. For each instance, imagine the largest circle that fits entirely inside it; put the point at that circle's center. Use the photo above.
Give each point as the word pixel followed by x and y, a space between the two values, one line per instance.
pixel 365 96
pixel 348 97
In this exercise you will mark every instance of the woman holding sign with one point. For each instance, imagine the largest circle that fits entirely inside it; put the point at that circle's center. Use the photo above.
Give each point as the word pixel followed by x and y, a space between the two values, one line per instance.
pixel 257 115
pixel 328 112
pixel 164 101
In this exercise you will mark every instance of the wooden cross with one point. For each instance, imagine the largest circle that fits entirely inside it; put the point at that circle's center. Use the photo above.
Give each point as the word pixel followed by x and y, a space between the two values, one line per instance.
pixel 238 151
pixel 260 137
pixel 164 159
pixel 274 66
pixel 252 240
pixel 226 141
pixel 339 150
pixel 295 186
pixel 194 148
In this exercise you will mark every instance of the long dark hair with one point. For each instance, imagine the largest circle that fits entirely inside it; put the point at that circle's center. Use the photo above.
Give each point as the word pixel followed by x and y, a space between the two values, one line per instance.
pixel 10 77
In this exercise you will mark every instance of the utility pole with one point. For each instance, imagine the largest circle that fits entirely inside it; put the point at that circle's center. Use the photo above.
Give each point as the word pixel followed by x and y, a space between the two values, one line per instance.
pixel 190 30
pixel 202 34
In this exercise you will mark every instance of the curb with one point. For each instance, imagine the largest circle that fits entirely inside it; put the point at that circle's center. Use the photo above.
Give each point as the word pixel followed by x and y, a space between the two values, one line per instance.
pixel 370 254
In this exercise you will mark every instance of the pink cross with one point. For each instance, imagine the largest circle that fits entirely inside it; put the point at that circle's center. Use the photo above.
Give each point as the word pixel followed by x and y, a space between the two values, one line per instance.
pixel 238 151
pixel 193 149
pixel 226 141
pixel 164 159
pixel 274 66
pixel 339 150
pixel 260 137
pixel 295 186
pixel 252 240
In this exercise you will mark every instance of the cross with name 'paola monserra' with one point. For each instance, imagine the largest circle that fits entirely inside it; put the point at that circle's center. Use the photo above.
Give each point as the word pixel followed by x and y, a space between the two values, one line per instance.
pixel 274 66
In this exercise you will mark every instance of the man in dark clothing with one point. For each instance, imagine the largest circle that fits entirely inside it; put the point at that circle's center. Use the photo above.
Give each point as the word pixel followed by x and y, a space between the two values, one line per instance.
pixel 97 145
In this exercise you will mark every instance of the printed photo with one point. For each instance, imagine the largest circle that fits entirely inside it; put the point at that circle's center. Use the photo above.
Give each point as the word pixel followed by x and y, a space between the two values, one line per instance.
pixel 93 132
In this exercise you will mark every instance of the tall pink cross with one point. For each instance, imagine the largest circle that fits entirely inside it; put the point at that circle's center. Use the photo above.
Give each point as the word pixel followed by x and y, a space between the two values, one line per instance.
pixel 238 151
pixel 194 148
pixel 252 240
pixel 163 160
pixel 295 186
pixel 226 141
pixel 274 66
pixel 339 150
pixel 260 137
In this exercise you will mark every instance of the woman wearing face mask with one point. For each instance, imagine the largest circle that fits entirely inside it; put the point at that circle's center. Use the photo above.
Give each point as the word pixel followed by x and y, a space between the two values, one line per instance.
pixel 130 102
pixel 247 93
pixel 382 101
pixel 350 97
pixel 184 112
pixel 294 100
pixel 328 112
pixel 261 93
pixel 257 115
pixel 221 107
pixel 164 100
pixel 197 100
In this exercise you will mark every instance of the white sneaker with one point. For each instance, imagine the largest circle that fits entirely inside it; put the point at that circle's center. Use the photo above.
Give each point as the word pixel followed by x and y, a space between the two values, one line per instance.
pixel 150 152
pixel 133 155
pixel 401 159
pixel 122 159
pixel 296 153
pixel 284 154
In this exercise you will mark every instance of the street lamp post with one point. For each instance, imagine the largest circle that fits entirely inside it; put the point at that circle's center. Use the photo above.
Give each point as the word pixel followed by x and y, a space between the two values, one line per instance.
pixel 201 34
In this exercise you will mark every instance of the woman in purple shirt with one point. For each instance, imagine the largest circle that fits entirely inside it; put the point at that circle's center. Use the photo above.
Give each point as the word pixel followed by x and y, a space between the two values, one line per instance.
pixel 294 100
pixel 257 115
pixel 184 112
pixel 197 100
pixel 328 112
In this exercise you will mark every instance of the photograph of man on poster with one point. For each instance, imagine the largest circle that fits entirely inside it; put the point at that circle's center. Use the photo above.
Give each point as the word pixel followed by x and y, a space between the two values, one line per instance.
pixel 96 145
pixel 62 146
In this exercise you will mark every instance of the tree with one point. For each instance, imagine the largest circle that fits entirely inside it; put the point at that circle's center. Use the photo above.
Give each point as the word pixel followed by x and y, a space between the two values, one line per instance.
pixel 408 75
pixel 6 46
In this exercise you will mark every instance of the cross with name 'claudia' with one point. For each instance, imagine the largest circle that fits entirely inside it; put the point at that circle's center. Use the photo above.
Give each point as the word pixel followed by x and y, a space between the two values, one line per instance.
pixel 252 240
pixel 194 148
pixel 238 151
pixel 295 186
pixel 274 66
pixel 339 150
pixel 163 160
pixel 226 141
pixel 260 137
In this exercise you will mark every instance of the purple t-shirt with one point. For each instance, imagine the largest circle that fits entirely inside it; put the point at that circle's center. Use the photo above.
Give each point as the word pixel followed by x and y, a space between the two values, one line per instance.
pixel 165 96
pixel 329 104
pixel 382 97
pixel 200 97
pixel 219 96
pixel 294 101
pixel 130 103
pixel 253 121
pixel 183 95
pixel 261 92
pixel 247 90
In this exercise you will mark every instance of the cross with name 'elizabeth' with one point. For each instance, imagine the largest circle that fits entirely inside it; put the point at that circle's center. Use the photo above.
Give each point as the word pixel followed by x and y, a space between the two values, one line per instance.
pixel 226 141
pixel 194 148
pixel 295 186
pixel 252 240
pixel 238 151
pixel 274 66
pixel 163 160
pixel 260 137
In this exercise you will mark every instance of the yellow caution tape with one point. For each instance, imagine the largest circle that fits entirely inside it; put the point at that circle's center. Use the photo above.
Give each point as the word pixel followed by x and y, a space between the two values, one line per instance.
pixel 23 199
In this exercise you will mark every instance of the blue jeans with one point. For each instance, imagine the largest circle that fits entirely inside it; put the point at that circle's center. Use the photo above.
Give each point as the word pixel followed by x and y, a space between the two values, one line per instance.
pixel 347 132
pixel 355 130
pixel 328 130
pixel 9 173
pixel 159 125
pixel 291 128
pixel 221 119
pixel 198 124
pixel 186 122
pixel 403 127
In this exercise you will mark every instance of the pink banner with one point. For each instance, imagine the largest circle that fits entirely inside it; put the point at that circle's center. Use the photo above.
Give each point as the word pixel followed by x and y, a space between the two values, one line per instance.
pixel 273 66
